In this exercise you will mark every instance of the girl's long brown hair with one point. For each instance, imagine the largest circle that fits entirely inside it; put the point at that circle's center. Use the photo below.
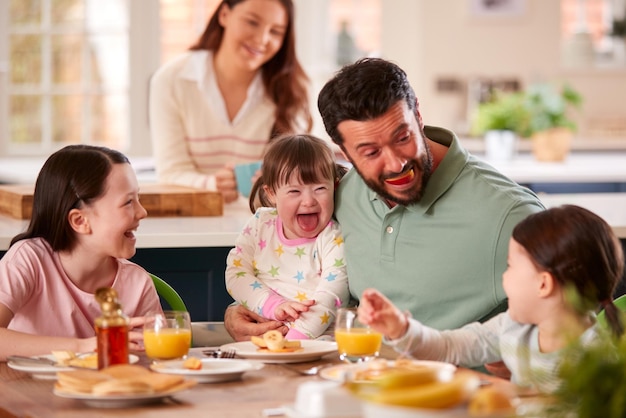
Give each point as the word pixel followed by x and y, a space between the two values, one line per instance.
pixel 73 176
pixel 283 77
pixel 580 250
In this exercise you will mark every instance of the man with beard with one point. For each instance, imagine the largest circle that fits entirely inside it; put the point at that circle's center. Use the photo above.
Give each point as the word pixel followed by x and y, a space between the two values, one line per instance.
pixel 424 222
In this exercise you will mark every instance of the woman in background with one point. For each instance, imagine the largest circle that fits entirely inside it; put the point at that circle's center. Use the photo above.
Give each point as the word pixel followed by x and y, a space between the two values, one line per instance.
pixel 222 101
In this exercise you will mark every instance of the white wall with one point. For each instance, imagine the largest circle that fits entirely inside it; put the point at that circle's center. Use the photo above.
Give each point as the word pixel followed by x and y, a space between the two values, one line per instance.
pixel 434 38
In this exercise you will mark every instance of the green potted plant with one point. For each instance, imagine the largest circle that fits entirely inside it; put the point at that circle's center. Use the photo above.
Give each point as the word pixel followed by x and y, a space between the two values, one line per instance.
pixel 500 120
pixel 549 124
pixel 594 380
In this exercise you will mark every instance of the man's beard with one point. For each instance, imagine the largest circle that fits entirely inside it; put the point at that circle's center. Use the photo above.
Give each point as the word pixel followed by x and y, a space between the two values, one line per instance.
pixel 423 167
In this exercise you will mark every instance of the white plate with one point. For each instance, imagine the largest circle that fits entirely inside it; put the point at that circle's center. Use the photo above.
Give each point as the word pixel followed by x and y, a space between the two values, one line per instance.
pixel 213 370
pixel 340 372
pixel 311 350
pixel 116 401
pixel 49 372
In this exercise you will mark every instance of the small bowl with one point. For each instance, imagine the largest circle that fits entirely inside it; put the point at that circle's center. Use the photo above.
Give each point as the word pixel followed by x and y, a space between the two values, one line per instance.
pixel 324 400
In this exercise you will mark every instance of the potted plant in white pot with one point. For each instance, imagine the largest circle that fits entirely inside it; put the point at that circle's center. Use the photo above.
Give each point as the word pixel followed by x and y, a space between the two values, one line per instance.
pixel 549 126
pixel 500 121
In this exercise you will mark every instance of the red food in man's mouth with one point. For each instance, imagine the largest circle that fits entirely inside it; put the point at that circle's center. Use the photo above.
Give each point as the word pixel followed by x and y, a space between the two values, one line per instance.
pixel 402 179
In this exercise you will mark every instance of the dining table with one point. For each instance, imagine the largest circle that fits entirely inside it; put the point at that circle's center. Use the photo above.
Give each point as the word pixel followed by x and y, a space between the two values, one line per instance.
pixel 264 392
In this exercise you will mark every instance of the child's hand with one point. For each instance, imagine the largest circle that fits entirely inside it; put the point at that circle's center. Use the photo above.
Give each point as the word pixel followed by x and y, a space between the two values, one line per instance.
pixel 290 311
pixel 382 315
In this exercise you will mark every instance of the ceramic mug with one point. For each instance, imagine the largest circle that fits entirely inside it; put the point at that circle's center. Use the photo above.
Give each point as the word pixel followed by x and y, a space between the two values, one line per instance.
pixel 243 175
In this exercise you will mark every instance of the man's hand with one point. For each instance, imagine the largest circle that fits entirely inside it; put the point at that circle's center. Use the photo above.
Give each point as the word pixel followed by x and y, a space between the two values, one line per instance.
pixel 242 323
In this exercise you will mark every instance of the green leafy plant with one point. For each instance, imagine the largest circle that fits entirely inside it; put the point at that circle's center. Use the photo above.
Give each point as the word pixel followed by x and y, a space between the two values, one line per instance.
pixel 540 107
pixel 548 107
pixel 506 111
pixel 594 381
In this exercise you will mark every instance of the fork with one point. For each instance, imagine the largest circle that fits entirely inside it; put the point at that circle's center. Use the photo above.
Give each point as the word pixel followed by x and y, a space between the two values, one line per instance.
pixel 311 371
pixel 231 353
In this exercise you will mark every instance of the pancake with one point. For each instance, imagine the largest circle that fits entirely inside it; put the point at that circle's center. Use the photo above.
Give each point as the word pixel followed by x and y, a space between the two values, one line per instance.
pixel 123 371
pixel 81 381
pixel 129 386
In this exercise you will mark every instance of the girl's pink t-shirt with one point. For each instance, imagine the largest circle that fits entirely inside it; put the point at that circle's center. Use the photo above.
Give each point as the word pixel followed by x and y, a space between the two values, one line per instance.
pixel 44 301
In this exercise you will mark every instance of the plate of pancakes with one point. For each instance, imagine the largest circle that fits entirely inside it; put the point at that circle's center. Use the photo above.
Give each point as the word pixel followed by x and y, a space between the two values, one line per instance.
pixel 119 386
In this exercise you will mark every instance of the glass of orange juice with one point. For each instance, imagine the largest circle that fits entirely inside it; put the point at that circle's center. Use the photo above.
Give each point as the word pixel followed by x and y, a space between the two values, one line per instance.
pixel 356 342
pixel 167 335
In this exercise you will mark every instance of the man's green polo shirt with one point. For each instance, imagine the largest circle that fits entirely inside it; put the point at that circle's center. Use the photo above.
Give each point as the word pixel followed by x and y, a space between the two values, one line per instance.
pixel 441 259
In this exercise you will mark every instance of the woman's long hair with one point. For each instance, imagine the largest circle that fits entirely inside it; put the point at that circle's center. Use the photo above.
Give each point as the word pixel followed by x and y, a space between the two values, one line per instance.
pixel 283 77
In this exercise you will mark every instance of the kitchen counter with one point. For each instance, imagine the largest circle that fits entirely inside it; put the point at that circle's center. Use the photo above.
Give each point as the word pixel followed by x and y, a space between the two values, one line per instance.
pixel 222 231
pixel 580 166
pixel 168 232
pixel 610 206
pixel 576 168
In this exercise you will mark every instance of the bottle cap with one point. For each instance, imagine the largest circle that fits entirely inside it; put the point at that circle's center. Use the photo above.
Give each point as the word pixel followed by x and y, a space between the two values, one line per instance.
pixel 107 298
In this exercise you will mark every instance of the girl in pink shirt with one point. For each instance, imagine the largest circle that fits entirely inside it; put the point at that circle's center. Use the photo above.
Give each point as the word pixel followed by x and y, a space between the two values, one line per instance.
pixel 85 211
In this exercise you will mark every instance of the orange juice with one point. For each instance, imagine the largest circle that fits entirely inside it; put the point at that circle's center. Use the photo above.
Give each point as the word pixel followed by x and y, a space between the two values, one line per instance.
pixel 358 341
pixel 167 343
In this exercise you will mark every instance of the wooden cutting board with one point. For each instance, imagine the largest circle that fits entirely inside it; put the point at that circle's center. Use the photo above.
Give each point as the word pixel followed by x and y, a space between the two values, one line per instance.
pixel 16 200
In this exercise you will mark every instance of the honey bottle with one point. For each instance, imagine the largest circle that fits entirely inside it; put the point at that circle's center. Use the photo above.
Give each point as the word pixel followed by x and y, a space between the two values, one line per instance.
pixel 111 329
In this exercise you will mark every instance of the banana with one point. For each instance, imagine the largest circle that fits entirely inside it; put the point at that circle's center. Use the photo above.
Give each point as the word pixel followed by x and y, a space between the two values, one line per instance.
pixel 274 340
pixel 258 341
pixel 436 395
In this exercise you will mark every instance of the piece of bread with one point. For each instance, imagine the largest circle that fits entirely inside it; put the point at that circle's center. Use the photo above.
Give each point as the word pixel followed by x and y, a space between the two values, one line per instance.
pixel 292 344
pixel 129 386
pixel 120 379
pixel 161 382
pixel 258 341
pixel 63 357
pixel 89 361
pixel 81 381
pixel 192 363
pixel 124 371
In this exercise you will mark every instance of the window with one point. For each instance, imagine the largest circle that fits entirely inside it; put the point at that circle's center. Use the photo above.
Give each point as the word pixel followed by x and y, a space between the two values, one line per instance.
pixel 72 71
pixel 67 74
pixel 586 27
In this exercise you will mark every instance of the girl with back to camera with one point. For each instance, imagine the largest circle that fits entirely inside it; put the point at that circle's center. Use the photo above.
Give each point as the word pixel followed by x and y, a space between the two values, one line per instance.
pixel 85 213
pixel 287 264
pixel 563 264
pixel 220 103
